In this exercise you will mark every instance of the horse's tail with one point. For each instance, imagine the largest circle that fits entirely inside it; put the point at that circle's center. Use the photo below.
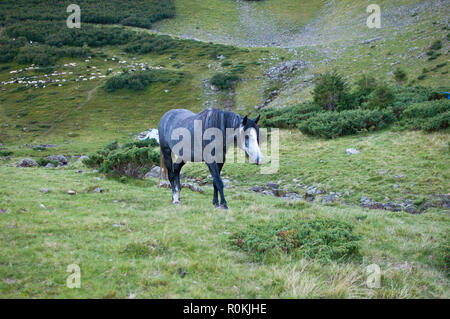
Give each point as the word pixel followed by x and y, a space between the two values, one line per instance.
pixel 162 167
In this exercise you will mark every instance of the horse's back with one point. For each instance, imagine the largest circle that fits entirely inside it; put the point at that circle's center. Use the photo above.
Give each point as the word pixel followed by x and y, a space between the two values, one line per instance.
pixel 170 121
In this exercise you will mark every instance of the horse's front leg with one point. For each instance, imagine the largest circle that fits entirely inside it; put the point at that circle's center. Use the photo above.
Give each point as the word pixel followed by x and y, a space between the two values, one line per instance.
pixel 216 191
pixel 215 170
pixel 176 187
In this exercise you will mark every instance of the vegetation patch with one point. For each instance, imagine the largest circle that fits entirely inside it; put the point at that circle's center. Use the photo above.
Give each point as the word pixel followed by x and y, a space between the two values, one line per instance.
pixel 428 116
pixel 141 79
pixel 288 117
pixel 334 124
pixel 371 105
pixel 133 159
pixel 145 43
pixel 224 81
pixel 322 238
pixel 145 249
pixel 141 14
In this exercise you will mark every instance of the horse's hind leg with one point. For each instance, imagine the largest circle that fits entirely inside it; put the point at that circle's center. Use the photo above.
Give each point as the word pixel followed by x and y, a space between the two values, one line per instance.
pixel 215 173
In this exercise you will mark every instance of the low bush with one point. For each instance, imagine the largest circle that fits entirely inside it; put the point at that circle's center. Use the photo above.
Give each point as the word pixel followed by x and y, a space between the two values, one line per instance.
pixel 141 79
pixel 45 55
pixel 5 153
pixel 334 124
pixel 429 116
pixel 288 117
pixel 382 97
pixel 133 159
pixel 224 81
pixel 44 161
pixel 331 92
pixel 322 238
pixel 365 85
pixel 437 45
pixel 400 76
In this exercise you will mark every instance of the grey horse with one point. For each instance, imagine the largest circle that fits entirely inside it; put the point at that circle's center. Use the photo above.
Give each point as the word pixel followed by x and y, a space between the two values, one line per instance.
pixel 190 137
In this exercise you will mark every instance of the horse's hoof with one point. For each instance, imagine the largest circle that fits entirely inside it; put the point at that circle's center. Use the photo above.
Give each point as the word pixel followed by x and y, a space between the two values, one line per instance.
pixel 223 206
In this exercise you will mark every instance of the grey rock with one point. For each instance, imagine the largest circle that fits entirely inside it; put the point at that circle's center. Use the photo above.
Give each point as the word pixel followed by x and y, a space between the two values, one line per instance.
pixel 331 198
pixel 44 190
pixel 154 172
pixel 272 185
pixel 82 157
pixel 49 165
pixel 278 192
pixel 257 189
pixel 395 186
pixel 311 191
pixel 352 151
pixel 27 162
pixel 61 159
pixel 98 190
pixel 371 40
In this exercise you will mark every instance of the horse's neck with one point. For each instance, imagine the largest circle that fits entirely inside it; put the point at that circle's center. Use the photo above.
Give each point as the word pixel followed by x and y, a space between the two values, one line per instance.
pixel 233 121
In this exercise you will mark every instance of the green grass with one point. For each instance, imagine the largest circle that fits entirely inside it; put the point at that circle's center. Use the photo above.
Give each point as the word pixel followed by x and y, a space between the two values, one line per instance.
pixel 131 240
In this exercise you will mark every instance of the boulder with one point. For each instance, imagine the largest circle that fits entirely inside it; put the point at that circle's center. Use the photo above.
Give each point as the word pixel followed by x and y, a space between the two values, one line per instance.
pixel 61 159
pixel 352 151
pixel 27 162
pixel 154 172
pixel 272 185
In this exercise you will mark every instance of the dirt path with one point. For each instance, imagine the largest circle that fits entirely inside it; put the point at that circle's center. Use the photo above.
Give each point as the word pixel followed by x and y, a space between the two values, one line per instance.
pixel 88 98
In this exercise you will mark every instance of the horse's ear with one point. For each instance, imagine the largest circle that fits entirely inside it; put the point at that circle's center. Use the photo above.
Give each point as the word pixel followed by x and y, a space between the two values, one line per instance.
pixel 244 120
pixel 257 119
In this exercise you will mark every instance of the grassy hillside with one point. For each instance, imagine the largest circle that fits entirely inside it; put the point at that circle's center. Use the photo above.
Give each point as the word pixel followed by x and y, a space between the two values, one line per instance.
pixel 129 241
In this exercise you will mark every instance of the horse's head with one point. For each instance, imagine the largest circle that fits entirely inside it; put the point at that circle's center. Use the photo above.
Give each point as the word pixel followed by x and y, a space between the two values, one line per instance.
pixel 249 139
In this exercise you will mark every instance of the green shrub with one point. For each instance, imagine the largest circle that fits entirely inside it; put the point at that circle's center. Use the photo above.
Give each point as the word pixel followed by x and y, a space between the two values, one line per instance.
pixel 5 153
pixel 224 81
pixel 44 161
pixel 400 76
pixel 141 13
pixel 133 159
pixel 331 92
pixel 46 55
pixel 322 238
pixel 334 124
pixel 364 86
pixel 141 79
pixel 429 116
pixel 288 117
pixel 382 97
pixel 437 45
pixel 434 56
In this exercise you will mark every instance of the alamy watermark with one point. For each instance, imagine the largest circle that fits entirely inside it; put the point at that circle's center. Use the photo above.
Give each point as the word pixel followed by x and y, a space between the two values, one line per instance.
pixel 73 20
pixel 373 280
pixel 209 145
pixel 74 279
pixel 374 20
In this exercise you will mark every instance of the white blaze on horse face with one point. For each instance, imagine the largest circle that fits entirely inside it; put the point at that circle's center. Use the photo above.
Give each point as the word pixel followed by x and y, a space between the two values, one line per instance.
pixel 251 147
